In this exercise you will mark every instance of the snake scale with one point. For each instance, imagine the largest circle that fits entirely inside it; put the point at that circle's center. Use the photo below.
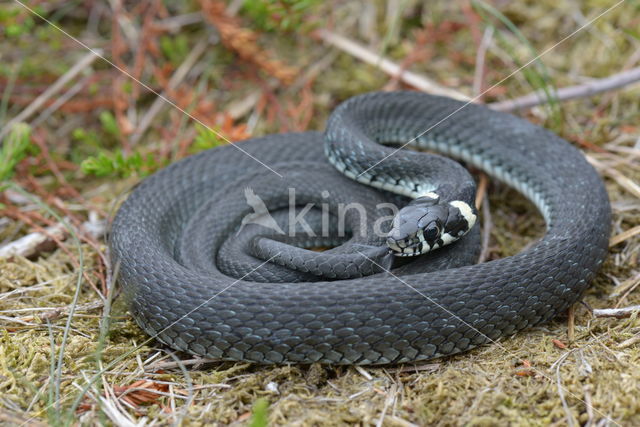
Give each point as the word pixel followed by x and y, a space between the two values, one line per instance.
pixel 195 275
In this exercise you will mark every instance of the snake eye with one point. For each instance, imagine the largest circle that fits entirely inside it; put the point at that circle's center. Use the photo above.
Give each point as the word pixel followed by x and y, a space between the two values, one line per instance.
pixel 431 232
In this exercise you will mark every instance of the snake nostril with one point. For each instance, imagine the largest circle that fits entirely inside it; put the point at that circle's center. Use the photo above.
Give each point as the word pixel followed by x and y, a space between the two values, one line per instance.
pixel 395 235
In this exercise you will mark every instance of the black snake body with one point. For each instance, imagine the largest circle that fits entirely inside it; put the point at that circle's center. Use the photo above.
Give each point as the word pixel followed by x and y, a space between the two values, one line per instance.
pixel 191 277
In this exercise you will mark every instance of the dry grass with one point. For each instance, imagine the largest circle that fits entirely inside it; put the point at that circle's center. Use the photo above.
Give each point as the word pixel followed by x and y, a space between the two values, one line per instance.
pixel 541 376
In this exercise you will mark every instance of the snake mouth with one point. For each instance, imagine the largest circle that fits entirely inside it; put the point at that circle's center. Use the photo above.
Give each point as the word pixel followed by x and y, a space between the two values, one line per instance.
pixel 410 246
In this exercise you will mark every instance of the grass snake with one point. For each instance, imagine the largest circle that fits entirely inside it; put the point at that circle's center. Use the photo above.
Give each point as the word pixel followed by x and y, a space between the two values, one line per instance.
pixel 193 270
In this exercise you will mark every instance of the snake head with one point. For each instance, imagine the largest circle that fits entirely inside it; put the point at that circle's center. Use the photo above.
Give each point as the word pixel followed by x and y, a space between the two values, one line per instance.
pixel 420 227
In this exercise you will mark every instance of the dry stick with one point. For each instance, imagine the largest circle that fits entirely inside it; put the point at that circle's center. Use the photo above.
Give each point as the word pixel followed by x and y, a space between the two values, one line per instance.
pixel 619 313
pixel 431 367
pixel 401 421
pixel 487 225
pixel 196 362
pixel 175 23
pixel 175 80
pixel 52 90
pixel 314 70
pixel 389 67
pixel 12 418
pixel 625 287
pixel 571 324
pixel 588 403
pixel 479 75
pixel 29 245
pixel 481 191
pixel 622 180
pixel 624 296
pixel 619 238
pixel 240 108
pixel 424 84
pixel 628 343
pixel 482 202
pixel 482 196
pixel 73 91
pixel 584 90
pixel 57 312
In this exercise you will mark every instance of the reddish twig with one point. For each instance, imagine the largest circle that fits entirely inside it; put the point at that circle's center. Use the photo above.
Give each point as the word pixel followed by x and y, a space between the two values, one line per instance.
pixel 244 42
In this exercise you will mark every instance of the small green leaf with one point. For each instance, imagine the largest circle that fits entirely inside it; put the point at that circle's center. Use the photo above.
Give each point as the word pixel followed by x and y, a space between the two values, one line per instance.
pixel 79 134
pixel 13 30
pixel 260 413
pixel 117 164
pixel 205 139
pixel 109 124
pixel 633 33
pixel 282 15
pixel 14 148
pixel 175 48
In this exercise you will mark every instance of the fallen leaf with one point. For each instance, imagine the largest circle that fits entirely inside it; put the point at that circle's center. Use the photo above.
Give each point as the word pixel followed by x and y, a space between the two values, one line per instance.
pixel 559 344
pixel 524 371
pixel 142 392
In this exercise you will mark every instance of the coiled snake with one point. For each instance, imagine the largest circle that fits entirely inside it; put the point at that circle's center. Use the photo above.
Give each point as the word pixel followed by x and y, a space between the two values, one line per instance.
pixel 190 244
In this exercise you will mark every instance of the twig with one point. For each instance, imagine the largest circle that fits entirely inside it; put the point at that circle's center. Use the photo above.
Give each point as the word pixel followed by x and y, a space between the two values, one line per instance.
pixel 31 243
pixel 73 91
pixel 124 22
pixel 239 108
pixel 392 394
pixel 363 372
pixel 622 180
pixel 52 90
pixel 57 312
pixel 619 313
pixel 175 23
pixel 590 88
pixel 625 288
pixel 34 219
pixel 619 238
pixel 174 81
pixel 430 367
pixel 425 84
pixel 400 421
pixel 487 225
pixel 234 7
pixel 12 418
pixel 561 389
pixel 313 71
pixel 571 324
pixel 481 192
pixel 421 51
pixel 588 404
pixel 482 202
pixel 628 343
pixel 479 75
pixel 196 362
pixel 412 79
pixel 94 226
